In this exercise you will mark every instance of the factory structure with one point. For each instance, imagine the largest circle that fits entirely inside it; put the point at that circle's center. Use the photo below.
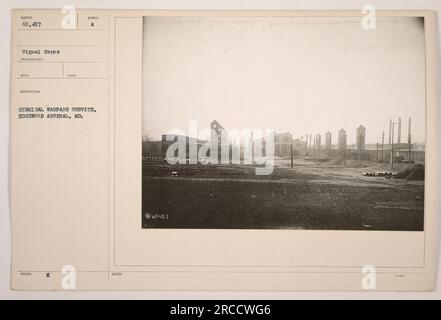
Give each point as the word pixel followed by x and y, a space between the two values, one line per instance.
pixel 157 150
pixel 393 148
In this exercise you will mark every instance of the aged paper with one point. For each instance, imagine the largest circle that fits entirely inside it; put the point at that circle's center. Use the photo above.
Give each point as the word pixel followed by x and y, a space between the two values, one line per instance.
pixel 223 150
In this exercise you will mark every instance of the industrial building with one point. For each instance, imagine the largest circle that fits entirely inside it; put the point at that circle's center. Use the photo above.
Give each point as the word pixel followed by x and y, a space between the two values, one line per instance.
pixel 360 138
pixel 285 146
pixel 282 144
pixel 157 150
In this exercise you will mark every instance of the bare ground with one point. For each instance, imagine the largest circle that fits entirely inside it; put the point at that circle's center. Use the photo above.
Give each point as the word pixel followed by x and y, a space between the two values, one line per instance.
pixel 315 196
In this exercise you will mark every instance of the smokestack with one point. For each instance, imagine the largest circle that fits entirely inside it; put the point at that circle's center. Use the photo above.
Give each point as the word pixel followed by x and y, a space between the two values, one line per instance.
pixel 399 130
pixel 390 131
pixel 409 127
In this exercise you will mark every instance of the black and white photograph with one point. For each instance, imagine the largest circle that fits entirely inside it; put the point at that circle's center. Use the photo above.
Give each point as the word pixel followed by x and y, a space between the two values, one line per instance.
pixel 283 123
pixel 219 151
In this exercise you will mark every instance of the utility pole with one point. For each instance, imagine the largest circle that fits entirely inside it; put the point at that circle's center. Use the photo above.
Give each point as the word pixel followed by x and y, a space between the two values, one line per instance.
pixel 252 147
pixel 345 155
pixel 382 147
pixel 390 131
pixel 392 148
pixel 292 156
pixel 307 144
pixel 310 144
pixel 409 140
pixel 378 146
pixel 342 144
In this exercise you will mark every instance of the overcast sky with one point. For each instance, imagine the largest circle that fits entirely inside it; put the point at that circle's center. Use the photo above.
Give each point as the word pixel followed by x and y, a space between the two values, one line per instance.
pixel 303 75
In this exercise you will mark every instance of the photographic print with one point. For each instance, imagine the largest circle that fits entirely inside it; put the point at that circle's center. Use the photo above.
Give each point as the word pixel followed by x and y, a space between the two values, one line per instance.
pixel 295 123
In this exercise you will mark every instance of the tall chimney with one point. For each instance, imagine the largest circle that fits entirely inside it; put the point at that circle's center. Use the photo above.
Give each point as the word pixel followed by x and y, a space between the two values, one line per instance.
pixel 399 129
pixel 409 127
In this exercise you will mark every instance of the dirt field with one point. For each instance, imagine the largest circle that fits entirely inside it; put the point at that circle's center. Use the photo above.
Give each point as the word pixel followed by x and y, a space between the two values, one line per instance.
pixel 316 196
